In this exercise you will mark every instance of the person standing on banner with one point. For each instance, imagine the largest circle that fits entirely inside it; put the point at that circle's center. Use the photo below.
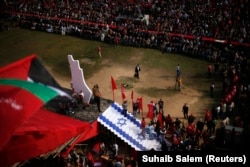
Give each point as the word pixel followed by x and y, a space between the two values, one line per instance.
pixel 135 108
pixel 143 126
pixel 97 96
pixel 124 108
pixel 137 70
pixel 124 103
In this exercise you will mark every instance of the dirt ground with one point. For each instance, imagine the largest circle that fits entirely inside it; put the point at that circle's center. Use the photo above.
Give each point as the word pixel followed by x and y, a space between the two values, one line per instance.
pixel 172 104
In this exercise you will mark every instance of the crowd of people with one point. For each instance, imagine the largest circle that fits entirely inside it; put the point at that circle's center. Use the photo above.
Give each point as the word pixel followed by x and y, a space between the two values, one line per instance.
pixel 209 131
pixel 170 26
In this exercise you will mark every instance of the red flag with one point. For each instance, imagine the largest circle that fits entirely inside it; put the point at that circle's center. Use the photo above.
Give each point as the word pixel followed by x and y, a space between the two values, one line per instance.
pixel 91 131
pixel 123 92
pixel 150 113
pixel 97 148
pixel 113 83
pixel 132 95
pixel 140 103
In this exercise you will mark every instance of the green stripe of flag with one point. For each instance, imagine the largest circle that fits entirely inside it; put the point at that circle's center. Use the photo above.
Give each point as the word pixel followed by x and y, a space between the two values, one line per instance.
pixel 43 92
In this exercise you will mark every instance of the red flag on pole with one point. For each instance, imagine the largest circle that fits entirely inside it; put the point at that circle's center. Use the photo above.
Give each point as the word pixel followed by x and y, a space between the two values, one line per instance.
pixel 132 98
pixel 150 113
pixel 113 83
pixel 123 92
pixel 114 86
pixel 140 105
pixel 132 95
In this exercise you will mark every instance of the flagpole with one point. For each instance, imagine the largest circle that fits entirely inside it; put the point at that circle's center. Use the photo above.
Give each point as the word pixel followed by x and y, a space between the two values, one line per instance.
pixel 132 98
pixel 113 95
pixel 123 92
pixel 141 109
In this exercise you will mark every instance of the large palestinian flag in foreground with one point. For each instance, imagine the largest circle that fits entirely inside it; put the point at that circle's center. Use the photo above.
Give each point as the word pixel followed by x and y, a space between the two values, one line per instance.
pixel 19 99
pixel 29 130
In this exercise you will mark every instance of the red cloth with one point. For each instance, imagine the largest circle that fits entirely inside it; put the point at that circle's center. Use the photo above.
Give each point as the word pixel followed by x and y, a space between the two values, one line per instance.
pixel 43 132
pixel 91 131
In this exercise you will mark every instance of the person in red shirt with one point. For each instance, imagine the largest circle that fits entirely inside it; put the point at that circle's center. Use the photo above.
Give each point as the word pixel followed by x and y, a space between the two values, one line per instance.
pixel 208 116
pixel 168 121
pixel 116 40
pixel 99 50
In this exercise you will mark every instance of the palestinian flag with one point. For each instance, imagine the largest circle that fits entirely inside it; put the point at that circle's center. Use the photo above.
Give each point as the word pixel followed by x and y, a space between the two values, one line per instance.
pixel 19 99
pixel 28 129
pixel 30 68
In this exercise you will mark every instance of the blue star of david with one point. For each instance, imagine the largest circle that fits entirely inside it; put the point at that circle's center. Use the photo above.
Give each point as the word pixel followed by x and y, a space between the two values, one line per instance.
pixel 121 122
pixel 140 137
